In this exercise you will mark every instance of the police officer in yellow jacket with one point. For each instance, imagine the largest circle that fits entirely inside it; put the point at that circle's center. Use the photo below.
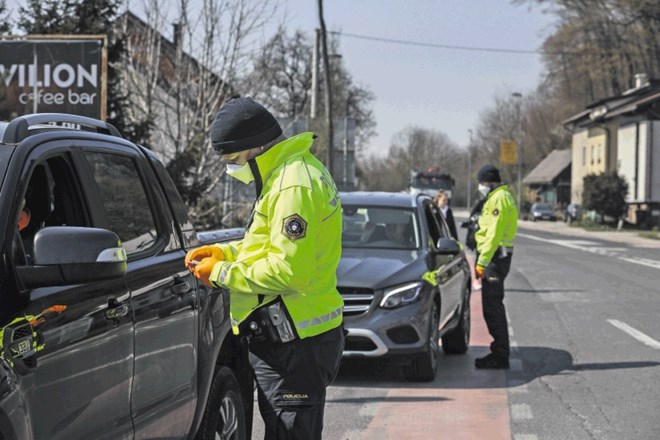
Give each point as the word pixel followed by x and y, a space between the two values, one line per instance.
pixel 494 238
pixel 281 275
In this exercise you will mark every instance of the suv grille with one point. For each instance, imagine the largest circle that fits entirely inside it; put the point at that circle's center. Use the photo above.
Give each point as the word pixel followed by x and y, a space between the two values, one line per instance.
pixel 356 300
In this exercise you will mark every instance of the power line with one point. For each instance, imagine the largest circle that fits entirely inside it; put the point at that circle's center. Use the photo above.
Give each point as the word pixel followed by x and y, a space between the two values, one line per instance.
pixel 454 47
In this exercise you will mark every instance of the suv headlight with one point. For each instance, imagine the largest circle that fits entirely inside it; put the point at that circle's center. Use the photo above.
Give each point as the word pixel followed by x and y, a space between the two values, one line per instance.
pixel 401 295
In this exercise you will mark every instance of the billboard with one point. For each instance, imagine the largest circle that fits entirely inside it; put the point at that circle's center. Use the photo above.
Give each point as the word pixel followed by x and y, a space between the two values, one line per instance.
pixel 59 74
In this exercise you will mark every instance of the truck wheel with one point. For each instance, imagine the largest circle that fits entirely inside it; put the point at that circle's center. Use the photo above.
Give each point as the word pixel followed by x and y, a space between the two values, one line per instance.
pixel 457 341
pixel 224 416
pixel 423 368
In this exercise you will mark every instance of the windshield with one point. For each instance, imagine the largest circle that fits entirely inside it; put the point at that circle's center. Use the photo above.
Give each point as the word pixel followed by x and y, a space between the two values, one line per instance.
pixel 543 207
pixel 379 227
pixel 431 182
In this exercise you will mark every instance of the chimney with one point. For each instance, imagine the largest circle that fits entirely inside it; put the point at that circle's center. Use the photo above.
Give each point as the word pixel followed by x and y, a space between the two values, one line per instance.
pixel 641 80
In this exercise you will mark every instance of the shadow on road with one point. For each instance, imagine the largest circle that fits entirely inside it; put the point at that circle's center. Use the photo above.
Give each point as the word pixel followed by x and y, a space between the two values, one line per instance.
pixel 531 290
pixel 389 399
pixel 458 372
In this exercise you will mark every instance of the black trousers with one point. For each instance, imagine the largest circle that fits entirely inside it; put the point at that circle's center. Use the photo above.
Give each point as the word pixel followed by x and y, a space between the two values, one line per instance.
pixel 291 383
pixel 492 300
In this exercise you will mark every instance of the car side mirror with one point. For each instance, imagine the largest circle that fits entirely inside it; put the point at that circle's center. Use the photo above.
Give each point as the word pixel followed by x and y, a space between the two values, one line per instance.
pixel 73 255
pixel 447 246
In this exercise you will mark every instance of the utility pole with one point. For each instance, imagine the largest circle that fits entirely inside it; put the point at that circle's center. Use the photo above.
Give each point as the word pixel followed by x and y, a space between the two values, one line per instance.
pixel 518 98
pixel 315 76
pixel 328 89
pixel 345 179
pixel 469 173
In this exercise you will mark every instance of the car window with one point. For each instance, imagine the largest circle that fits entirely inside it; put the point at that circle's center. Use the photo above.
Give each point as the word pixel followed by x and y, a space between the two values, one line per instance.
pixel 51 198
pixel 436 231
pixel 379 227
pixel 124 199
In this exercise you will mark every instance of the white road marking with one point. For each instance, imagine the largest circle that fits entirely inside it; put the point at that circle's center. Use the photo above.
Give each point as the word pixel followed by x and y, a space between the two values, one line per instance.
pixel 641 337
pixel 643 261
pixel 600 250
pixel 521 411
pixel 583 242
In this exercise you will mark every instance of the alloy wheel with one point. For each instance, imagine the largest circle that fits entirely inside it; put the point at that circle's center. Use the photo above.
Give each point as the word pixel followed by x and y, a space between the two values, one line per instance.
pixel 228 421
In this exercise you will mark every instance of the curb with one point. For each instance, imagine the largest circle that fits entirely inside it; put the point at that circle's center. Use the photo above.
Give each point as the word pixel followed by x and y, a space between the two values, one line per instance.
pixel 561 228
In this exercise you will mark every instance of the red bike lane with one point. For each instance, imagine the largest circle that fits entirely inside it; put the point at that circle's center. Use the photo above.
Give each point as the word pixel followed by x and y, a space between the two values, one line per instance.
pixel 462 402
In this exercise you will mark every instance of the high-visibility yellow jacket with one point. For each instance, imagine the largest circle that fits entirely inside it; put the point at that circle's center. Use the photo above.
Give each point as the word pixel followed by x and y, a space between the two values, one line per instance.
pixel 293 245
pixel 498 224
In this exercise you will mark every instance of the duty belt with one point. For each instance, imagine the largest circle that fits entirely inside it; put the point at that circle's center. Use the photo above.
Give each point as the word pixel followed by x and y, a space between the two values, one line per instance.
pixel 270 322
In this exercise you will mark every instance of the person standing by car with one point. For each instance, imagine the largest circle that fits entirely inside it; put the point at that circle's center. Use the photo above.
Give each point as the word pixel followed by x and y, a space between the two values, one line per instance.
pixel 472 224
pixel 281 275
pixel 498 224
pixel 442 201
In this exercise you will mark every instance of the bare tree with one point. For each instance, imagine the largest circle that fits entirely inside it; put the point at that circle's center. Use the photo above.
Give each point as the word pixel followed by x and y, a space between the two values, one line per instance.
pixel 282 80
pixel 500 123
pixel 282 75
pixel 5 24
pixel 181 83
pixel 412 148
pixel 598 46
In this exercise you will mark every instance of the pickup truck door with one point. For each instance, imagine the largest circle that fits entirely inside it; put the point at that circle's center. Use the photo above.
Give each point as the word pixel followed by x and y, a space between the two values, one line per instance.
pixel 78 385
pixel 163 292
pixel 450 279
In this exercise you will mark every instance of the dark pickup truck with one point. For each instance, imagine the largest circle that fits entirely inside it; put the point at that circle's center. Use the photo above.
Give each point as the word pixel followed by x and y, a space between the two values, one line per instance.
pixel 103 332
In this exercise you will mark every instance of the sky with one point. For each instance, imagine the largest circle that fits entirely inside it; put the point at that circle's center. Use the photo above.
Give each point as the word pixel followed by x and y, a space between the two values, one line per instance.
pixel 436 88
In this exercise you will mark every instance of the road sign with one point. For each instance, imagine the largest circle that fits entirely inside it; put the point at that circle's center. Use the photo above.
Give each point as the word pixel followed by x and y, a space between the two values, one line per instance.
pixel 508 153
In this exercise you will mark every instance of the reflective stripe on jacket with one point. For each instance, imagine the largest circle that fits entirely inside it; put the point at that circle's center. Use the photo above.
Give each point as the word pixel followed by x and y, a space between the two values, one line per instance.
pixel 498 224
pixel 293 245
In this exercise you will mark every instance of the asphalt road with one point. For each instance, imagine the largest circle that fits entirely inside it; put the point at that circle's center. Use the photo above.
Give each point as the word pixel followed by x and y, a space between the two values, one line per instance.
pixel 583 312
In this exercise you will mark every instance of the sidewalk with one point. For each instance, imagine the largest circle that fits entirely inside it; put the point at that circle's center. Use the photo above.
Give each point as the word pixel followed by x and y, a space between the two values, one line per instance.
pixel 559 227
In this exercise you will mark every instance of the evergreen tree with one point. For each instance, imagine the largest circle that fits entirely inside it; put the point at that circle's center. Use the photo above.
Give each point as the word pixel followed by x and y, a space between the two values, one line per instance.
pixel 79 17
pixel 606 194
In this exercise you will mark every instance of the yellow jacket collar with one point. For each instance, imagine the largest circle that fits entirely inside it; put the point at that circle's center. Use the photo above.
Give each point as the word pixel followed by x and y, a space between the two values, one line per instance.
pixel 498 188
pixel 280 153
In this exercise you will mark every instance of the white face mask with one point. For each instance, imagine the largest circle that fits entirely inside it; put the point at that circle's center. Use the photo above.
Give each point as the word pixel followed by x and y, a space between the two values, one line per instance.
pixel 240 172
pixel 484 190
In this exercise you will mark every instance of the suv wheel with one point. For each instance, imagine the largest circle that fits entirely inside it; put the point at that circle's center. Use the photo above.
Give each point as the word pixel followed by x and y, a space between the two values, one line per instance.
pixel 423 368
pixel 224 416
pixel 457 341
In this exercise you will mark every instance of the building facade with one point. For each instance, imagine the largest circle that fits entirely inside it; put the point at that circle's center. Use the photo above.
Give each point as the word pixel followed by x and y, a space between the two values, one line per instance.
pixel 622 134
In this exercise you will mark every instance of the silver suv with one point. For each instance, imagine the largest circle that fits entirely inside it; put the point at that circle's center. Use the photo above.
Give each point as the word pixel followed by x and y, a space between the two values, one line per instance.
pixel 390 241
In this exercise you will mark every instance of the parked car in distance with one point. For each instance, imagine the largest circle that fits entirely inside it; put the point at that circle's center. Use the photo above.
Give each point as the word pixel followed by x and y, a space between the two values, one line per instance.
pixel 104 334
pixel 572 213
pixel 542 211
pixel 390 240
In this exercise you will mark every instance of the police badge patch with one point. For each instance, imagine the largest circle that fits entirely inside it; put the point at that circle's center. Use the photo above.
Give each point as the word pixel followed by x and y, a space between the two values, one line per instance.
pixel 294 227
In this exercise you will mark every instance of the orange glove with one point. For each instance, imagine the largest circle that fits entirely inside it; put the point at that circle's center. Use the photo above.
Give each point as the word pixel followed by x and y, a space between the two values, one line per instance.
pixel 195 256
pixel 203 270
pixel 480 271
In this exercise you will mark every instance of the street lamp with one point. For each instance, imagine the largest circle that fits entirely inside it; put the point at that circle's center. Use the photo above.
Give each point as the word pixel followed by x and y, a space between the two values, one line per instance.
pixel 469 173
pixel 518 97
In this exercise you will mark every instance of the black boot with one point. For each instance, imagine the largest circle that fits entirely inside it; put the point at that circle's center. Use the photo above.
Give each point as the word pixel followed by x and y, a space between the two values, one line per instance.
pixel 492 362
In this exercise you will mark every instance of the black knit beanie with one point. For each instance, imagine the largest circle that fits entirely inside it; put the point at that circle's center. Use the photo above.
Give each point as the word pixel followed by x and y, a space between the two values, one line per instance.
pixel 488 173
pixel 242 124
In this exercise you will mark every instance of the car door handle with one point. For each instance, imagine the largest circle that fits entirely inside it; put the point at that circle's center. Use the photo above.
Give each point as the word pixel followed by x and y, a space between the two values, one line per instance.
pixel 181 286
pixel 119 310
